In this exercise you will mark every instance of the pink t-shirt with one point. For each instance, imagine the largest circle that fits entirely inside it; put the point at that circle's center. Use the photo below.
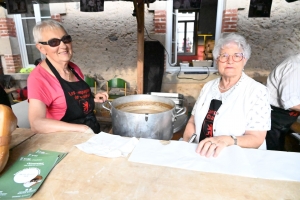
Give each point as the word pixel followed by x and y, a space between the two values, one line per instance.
pixel 46 88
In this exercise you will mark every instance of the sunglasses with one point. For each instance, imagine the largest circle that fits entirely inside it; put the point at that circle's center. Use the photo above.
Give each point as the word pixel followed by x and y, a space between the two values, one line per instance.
pixel 55 42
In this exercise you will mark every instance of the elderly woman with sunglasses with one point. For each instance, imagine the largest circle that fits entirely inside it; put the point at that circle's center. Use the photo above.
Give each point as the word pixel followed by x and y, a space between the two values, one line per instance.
pixel 232 109
pixel 59 98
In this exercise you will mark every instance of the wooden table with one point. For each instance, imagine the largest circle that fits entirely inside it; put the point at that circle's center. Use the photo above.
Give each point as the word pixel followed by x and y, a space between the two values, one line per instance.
pixel 83 176
pixel 19 136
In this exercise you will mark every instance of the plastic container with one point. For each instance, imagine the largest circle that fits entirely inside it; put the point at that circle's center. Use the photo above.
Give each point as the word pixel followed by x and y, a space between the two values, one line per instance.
pixel 184 64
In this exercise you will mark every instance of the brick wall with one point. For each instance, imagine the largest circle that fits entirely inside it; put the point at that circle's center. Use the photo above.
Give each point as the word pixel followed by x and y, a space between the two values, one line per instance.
pixel 7 27
pixel 160 21
pixel 229 22
pixel 56 17
pixel 13 63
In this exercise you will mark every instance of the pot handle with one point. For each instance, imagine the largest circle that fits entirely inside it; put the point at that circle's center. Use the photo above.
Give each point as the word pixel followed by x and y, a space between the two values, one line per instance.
pixel 103 106
pixel 180 112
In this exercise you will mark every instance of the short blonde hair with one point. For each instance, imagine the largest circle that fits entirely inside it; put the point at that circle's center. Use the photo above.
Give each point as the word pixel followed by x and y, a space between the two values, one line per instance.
pixel 45 25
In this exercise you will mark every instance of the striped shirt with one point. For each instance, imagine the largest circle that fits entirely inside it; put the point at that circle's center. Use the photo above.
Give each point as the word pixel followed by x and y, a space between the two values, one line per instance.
pixel 284 83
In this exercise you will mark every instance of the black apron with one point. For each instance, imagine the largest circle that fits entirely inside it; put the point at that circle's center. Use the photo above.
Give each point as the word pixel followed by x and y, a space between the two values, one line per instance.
pixel 207 125
pixel 281 121
pixel 79 99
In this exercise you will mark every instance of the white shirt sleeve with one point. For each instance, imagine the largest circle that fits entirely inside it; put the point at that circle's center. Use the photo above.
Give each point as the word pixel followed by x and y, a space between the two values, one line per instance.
pixel 284 83
pixel 289 88
pixel 258 117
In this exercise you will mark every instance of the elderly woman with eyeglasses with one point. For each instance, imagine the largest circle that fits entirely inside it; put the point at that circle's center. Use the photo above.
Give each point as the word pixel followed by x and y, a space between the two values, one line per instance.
pixel 232 109
pixel 59 98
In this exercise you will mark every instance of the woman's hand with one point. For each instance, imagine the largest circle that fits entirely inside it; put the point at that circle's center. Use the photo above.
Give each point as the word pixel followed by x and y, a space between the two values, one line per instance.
pixel 212 146
pixel 101 97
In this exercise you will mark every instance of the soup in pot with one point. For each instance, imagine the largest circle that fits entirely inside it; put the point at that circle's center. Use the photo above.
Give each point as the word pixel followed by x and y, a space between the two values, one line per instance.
pixel 143 107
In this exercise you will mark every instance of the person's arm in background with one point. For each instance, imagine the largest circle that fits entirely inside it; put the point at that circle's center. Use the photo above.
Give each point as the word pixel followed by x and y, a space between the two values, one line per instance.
pixel 296 108
pixel 40 124
pixel 4 98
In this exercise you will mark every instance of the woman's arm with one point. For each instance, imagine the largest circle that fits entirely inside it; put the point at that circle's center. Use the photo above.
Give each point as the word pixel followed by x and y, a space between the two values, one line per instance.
pixel 40 124
pixel 251 139
pixel 190 129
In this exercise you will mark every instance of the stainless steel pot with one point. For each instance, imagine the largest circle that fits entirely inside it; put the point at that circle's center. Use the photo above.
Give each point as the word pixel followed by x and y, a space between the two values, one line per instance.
pixel 143 116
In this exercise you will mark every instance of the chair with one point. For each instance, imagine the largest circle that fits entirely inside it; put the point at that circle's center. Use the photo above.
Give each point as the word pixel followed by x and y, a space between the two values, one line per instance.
pixel 5 81
pixel 90 81
pixel 21 112
pixel 116 87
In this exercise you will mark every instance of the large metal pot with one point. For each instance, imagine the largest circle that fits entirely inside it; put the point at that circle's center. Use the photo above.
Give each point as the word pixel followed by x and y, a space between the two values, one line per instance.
pixel 143 116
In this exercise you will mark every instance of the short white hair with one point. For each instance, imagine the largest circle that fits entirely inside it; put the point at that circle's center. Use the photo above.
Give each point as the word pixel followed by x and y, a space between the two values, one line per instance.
pixel 45 25
pixel 232 38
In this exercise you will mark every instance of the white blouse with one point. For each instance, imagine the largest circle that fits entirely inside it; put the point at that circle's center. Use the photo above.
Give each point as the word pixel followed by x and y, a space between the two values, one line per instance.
pixel 244 107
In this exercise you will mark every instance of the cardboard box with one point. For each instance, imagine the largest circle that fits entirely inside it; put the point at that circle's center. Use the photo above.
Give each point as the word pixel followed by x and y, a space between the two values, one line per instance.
pixel 202 63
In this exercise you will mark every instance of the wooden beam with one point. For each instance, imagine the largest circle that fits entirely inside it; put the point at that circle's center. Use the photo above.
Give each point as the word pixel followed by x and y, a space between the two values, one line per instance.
pixel 140 46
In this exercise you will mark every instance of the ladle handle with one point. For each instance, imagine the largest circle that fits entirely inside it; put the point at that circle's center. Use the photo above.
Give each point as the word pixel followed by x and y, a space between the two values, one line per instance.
pixel 103 106
pixel 181 111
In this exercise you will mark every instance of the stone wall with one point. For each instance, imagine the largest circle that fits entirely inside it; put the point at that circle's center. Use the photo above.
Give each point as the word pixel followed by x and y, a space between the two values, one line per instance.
pixel 105 43
pixel 272 39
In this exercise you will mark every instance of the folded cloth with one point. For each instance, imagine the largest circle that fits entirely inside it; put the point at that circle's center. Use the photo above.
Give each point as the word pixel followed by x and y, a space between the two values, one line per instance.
pixel 108 145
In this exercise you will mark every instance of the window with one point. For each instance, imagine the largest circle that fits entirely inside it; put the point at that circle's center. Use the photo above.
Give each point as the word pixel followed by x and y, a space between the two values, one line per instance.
pixel 186 27
pixel 24 26
pixel 186 33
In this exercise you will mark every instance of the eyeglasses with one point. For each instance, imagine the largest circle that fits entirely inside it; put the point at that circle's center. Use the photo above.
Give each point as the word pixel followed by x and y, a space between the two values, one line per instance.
pixel 237 57
pixel 55 41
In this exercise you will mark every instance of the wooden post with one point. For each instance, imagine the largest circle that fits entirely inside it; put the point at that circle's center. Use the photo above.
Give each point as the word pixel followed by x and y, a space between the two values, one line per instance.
pixel 140 46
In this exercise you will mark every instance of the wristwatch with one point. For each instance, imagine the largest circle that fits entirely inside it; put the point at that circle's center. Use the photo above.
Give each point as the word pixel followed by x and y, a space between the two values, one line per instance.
pixel 234 138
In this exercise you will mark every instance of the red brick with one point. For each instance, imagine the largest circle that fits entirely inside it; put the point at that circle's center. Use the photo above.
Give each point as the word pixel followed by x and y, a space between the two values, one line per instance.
pixel 229 19
pixel 160 19
pixel 231 11
pixel 160 23
pixel 229 30
pixel 160 31
pixel 160 12
pixel 229 22
pixel 230 15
